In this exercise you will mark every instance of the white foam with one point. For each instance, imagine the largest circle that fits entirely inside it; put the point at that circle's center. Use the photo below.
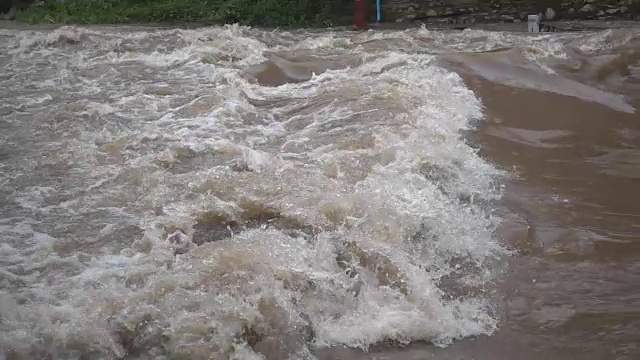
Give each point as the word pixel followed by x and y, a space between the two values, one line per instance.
pixel 33 198
pixel 361 137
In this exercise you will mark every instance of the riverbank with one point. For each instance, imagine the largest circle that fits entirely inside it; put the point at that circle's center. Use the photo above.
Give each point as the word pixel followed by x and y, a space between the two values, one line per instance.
pixel 558 26
pixel 270 13
pixel 307 14
pixel 555 25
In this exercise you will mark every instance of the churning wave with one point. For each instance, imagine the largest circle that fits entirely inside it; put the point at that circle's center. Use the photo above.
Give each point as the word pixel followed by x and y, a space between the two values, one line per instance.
pixel 238 193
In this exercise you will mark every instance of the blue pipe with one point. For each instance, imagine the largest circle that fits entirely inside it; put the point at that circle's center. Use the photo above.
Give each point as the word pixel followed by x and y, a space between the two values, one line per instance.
pixel 378 9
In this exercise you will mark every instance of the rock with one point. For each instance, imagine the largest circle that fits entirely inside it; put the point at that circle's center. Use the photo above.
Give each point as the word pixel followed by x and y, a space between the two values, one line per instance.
pixel 500 10
pixel 11 15
pixel 465 20
pixel 587 8
pixel 180 242
pixel 142 337
pixel 11 7
pixel 379 265
pixel 517 20
pixel 550 14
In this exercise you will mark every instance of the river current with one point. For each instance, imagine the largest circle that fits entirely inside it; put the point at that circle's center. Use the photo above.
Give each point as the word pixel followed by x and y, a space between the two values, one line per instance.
pixel 236 193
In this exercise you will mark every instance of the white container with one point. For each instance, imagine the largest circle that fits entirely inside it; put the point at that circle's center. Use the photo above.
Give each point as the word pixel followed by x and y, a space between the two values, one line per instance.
pixel 534 23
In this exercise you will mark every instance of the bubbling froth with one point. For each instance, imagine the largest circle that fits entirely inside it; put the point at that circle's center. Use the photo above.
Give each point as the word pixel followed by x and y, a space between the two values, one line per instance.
pixel 182 208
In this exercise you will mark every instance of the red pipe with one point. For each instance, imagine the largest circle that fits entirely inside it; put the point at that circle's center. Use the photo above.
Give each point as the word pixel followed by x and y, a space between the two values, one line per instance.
pixel 359 19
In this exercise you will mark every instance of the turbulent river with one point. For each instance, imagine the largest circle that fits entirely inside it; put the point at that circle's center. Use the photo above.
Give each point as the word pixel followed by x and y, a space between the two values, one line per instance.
pixel 234 193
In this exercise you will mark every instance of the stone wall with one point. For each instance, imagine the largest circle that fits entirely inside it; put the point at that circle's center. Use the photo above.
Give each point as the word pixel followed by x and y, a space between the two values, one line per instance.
pixel 470 11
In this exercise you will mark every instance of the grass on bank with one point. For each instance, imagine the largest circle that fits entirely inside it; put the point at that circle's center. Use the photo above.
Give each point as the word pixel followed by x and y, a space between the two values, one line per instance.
pixel 270 13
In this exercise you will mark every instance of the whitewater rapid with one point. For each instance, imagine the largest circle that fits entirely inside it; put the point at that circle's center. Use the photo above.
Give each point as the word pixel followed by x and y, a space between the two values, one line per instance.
pixel 229 192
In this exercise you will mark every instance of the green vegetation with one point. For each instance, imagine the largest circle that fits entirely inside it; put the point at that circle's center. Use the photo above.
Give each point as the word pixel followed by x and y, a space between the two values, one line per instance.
pixel 283 13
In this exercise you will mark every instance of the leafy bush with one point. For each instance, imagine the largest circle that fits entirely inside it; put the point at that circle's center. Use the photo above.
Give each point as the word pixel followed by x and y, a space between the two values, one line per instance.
pixel 286 13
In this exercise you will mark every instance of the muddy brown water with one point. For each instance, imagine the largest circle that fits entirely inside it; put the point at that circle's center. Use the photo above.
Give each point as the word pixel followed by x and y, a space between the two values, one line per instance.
pixel 236 193
pixel 573 290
